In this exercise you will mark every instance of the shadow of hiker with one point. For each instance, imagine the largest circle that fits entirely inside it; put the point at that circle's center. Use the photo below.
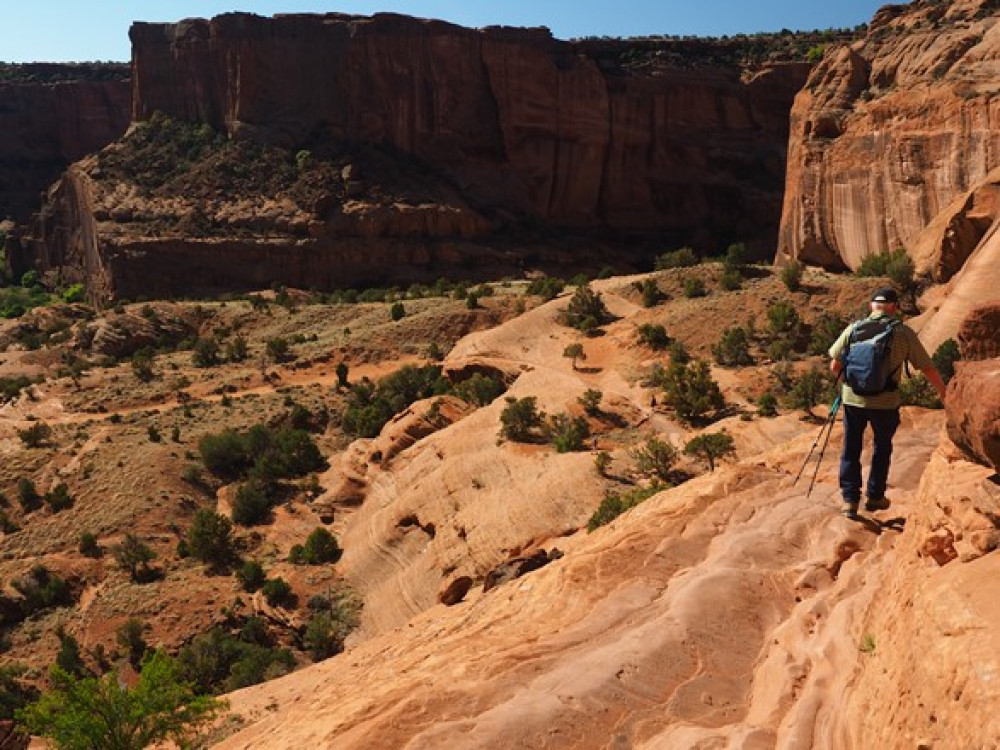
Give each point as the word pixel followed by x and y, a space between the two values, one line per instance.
pixel 876 526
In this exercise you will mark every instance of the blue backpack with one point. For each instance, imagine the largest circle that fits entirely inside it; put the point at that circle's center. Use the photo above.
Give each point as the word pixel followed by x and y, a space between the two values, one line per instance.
pixel 867 369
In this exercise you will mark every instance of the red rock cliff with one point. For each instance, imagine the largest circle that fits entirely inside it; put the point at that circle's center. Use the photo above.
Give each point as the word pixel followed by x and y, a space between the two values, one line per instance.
pixel 51 116
pixel 889 131
pixel 524 123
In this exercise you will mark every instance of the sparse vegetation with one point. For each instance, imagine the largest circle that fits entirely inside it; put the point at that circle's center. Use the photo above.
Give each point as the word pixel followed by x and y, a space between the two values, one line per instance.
pixel 614 504
pixel 654 336
pixel 682 258
pixel 655 459
pixel 586 310
pixel 690 390
pixel 521 420
pixel 710 446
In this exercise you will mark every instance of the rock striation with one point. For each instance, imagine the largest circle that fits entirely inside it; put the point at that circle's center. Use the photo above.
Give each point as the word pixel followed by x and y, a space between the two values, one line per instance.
pixel 889 132
pixel 53 115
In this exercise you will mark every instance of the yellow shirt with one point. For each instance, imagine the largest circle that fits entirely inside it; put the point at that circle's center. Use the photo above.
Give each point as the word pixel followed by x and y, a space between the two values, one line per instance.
pixel 906 347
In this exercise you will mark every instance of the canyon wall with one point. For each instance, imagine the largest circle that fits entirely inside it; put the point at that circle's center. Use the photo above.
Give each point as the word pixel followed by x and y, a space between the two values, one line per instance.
pixel 52 115
pixel 889 131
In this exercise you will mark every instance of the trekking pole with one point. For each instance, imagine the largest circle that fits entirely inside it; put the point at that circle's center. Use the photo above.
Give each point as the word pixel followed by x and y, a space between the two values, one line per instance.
pixel 831 421
pixel 827 424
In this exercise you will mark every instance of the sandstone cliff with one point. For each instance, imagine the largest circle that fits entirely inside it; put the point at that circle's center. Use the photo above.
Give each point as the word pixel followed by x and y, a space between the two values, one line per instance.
pixel 891 130
pixel 503 129
pixel 53 115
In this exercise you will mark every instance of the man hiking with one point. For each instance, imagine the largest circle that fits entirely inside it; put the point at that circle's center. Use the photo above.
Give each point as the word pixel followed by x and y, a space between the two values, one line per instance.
pixel 870 354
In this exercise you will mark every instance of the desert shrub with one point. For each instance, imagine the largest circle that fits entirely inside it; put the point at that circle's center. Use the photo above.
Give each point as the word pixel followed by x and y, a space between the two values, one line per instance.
pixel 277 592
pixel 237 350
pixel 782 318
pixel 809 389
pixel 253 502
pixel 210 538
pixel 520 419
pixel 320 547
pixel 370 406
pixel 567 433
pixel 731 280
pixel 614 504
pixel 733 349
pixel 654 336
pixel 682 258
pixel 142 365
pixel 656 459
pixel 205 352
pixel 825 331
pixel 42 589
pixel 945 357
pixel 651 294
pixel 690 390
pixel 262 452
pixel 767 405
pixel 129 637
pixel 89 546
pixel 342 372
pixel 590 400
pixel 134 556
pixel 877 264
pixel 322 637
pixel 7 526
pixel 678 353
pixel 480 389
pixel 397 311
pixel 58 498
pixel 15 692
pixel 27 495
pixel 68 657
pixel 35 435
pixel 586 310
pixel 918 391
pixel 791 275
pixel 602 462
pixel 575 352
pixel 251 575
pixel 277 348
pixel 694 287
pixel 11 387
pixel 711 447
pixel 217 661
pixel 546 287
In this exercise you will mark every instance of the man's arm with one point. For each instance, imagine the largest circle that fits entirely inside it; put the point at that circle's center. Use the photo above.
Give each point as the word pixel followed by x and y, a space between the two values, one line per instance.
pixel 934 377
pixel 836 366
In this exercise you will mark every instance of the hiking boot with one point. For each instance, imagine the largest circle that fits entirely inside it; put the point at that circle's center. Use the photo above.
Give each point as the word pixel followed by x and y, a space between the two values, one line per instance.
pixel 877 503
pixel 850 509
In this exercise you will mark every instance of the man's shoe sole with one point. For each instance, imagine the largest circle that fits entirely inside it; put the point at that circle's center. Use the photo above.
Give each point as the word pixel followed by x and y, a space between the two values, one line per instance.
pixel 877 505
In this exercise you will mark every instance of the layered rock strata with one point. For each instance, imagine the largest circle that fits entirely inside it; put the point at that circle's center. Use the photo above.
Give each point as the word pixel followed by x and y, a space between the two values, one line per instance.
pixel 512 127
pixel 51 116
pixel 889 131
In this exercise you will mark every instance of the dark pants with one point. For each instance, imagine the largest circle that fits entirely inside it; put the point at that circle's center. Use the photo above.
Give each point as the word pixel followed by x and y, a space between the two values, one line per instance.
pixel 884 423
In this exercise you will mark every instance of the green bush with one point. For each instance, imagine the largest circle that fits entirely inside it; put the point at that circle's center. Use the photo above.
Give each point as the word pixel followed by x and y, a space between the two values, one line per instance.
pixel 205 352
pixel 694 287
pixel 277 592
pixel 217 661
pixel 89 546
pixel 320 547
pixel 614 504
pixel 253 502
pixel 809 389
pixel 520 419
pixel 590 400
pixel 767 405
pixel 711 447
pixel 877 264
pixel 917 391
pixel 791 275
pixel 480 389
pixel 654 336
pixel 397 311
pixel 35 435
pixel 251 575
pixel 90 712
pixel 945 357
pixel 731 280
pixel 370 406
pixel 825 331
pixel 134 556
pixel 682 258
pixel 546 287
pixel 733 349
pixel 656 458
pixel 586 310
pixel 567 433
pixel 27 495
pixel 210 538
pixel 783 318
pixel 690 390
pixel 58 498
pixel 651 294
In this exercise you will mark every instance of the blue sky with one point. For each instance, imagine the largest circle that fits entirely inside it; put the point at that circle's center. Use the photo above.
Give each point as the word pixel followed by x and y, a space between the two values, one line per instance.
pixel 72 30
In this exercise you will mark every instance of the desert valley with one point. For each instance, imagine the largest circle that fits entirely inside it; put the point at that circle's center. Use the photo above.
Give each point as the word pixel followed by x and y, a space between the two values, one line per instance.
pixel 375 382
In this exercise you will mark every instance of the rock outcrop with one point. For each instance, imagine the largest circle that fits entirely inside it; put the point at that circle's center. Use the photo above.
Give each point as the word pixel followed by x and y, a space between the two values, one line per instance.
pixel 974 410
pixel 979 334
pixel 53 115
pixel 478 132
pixel 889 132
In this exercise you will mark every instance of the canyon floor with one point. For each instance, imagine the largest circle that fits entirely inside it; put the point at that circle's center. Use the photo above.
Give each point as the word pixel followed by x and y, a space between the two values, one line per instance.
pixel 729 611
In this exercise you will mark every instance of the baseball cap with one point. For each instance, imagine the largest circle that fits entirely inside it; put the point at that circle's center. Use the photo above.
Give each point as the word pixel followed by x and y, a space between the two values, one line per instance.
pixel 886 295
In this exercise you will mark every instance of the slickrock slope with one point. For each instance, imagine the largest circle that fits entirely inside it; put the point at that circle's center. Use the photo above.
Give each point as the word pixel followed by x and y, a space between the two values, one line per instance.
pixel 889 131
pixel 730 611
pixel 52 116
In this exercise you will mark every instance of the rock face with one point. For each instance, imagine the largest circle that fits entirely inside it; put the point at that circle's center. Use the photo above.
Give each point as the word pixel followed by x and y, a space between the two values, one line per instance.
pixel 974 410
pixel 889 131
pixel 979 335
pixel 508 127
pixel 518 119
pixel 53 115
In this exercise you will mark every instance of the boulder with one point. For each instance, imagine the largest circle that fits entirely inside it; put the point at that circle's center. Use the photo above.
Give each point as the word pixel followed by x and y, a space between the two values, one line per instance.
pixel 979 334
pixel 973 408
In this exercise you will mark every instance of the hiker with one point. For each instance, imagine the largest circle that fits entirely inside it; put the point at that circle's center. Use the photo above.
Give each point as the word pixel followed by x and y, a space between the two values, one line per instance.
pixel 871 354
